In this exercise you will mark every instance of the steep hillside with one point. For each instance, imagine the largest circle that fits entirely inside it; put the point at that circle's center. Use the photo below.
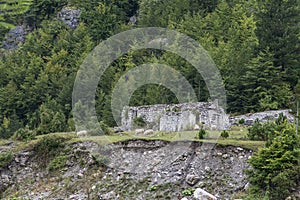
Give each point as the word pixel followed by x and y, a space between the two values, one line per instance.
pixel 134 169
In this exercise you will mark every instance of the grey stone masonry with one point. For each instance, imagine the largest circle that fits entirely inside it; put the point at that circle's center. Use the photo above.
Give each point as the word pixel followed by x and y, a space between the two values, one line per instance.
pixel 176 117
pixel 263 117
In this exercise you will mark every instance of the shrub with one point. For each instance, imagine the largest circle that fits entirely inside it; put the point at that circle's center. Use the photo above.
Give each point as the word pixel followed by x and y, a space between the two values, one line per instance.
pixel 105 128
pixel 256 131
pixel 188 192
pixel 263 132
pixel 57 163
pixel 201 134
pixel 96 131
pixel 48 147
pixel 139 122
pixel 267 131
pixel 224 134
pixel 101 160
pixel 153 188
pixel 242 121
pixel 24 134
pixel 5 159
pixel 275 168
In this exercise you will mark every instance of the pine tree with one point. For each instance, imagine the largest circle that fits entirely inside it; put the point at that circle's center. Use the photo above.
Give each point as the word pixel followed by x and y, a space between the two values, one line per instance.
pixel 10 9
pixel 278 31
pixel 275 168
pixel 228 34
pixel 264 89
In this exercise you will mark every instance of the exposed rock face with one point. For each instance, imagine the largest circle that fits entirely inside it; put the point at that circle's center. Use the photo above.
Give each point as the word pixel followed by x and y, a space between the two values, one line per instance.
pixel 261 116
pixel 192 164
pixel 132 168
pixel 70 16
pixel 177 117
pixel 15 38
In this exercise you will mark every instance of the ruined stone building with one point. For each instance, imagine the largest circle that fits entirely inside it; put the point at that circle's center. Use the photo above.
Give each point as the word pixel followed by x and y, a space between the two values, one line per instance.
pixel 176 117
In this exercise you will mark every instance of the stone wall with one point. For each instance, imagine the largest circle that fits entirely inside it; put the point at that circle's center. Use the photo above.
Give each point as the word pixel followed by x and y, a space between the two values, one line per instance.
pixel 177 117
pixel 263 117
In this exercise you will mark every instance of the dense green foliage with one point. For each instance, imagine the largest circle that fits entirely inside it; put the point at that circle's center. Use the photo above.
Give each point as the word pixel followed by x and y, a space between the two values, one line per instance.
pixel 224 134
pixel 11 10
pixel 276 168
pixel 48 148
pixel 24 134
pixel 5 159
pixel 267 131
pixel 254 47
pixel 201 134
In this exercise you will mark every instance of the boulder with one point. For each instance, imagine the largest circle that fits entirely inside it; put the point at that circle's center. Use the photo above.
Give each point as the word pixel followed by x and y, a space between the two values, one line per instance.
pixel 118 130
pixel 192 179
pixel 203 195
pixel 70 16
pixel 15 38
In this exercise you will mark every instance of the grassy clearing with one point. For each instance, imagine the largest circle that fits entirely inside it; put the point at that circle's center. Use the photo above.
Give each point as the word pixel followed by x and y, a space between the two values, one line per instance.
pixel 237 137
pixel 3 142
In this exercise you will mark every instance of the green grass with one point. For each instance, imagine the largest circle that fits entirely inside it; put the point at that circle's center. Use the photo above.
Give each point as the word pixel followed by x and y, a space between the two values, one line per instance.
pixel 236 138
pixel 3 142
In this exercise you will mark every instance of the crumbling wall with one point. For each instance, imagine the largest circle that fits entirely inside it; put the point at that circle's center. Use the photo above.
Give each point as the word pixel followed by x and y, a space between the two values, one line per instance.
pixel 177 117
pixel 249 119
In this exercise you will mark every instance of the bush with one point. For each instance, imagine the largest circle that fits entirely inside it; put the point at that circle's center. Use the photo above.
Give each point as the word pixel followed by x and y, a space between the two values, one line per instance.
pixel 224 134
pixel 275 168
pixel 264 132
pixel 5 159
pixel 242 121
pixel 188 192
pixel 256 132
pixel 58 163
pixel 267 131
pixel 96 131
pixel 105 128
pixel 201 134
pixel 101 160
pixel 139 122
pixel 24 134
pixel 285 180
pixel 48 147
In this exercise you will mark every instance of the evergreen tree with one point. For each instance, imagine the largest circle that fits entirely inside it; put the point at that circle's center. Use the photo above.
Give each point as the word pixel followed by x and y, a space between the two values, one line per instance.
pixel 275 169
pixel 228 34
pixel 11 9
pixel 278 31
pixel 264 86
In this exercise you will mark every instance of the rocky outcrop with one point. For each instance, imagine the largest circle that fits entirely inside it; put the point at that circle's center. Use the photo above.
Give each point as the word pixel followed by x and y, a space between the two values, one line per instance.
pixel 135 169
pixel 217 169
pixel 15 38
pixel 70 16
